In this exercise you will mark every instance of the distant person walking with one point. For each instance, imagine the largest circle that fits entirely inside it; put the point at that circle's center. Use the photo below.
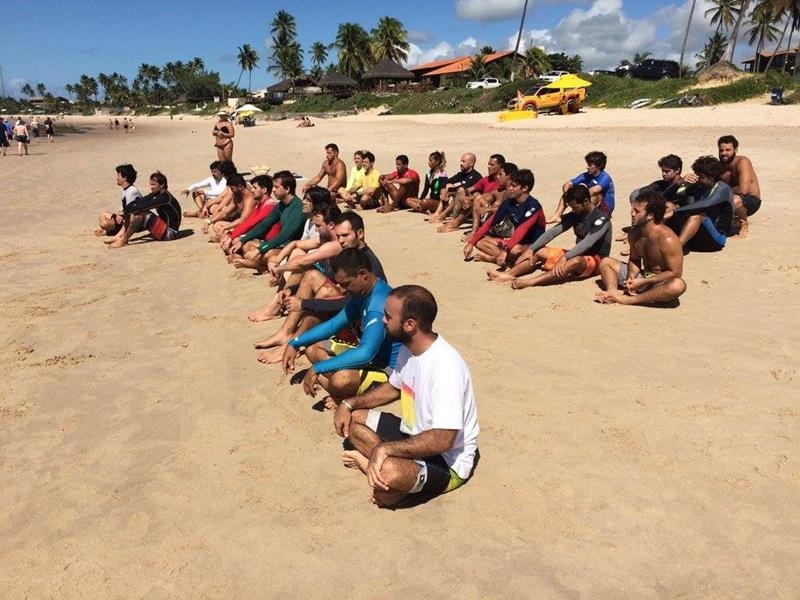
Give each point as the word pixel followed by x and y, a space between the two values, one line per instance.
pixel 49 129
pixel 23 137
pixel 223 133
pixel 3 137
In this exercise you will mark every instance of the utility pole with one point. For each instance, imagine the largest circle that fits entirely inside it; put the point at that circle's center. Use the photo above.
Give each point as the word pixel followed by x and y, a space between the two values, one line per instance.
pixel 2 84
pixel 519 38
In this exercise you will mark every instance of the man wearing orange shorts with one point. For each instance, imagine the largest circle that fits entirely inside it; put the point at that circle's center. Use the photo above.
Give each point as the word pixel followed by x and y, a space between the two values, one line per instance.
pixel 592 228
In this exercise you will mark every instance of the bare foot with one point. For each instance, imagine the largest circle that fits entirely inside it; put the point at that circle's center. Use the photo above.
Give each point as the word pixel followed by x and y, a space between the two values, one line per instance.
pixel 501 276
pixel 353 459
pixel 271 356
pixel 187 213
pixel 279 338
pixel 520 284
pixel 116 244
pixel 267 313
pixel 744 228
pixel 99 232
pixel 447 228
pixel 481 257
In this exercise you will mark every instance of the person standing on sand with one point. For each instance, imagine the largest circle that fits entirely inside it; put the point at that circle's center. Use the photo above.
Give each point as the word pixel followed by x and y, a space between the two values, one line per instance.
pixel 49 130
pixel 433 448
pixel 22 135
pixel 223 133
pixel 3 137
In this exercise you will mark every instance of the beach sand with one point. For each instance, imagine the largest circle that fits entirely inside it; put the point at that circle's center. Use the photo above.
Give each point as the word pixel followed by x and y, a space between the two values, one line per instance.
pixel 626 452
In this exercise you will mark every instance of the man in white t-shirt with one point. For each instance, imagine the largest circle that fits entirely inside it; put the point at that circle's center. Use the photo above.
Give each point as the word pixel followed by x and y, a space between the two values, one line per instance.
pixel 433 447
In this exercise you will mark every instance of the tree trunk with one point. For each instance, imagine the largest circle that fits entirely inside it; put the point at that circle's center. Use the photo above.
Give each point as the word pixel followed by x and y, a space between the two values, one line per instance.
pixel 519 38
pixel 728 55
pixel 778 47
pixel 686 35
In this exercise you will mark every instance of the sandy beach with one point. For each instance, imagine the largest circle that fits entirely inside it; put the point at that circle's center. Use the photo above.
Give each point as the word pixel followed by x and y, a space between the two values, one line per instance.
pixel 626 452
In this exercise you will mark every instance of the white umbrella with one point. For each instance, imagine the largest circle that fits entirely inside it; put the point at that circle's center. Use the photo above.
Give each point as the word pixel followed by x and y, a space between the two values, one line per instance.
pixel 247 107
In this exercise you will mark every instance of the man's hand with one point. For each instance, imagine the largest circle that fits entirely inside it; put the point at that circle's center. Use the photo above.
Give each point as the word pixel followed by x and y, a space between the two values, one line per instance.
pixel 310 383
pixel 561 267
pixel 633 285
pixel 236 246
pixel 341 420
pixel 468 250
pixel 292 304
pixel 374 475
pixel 289 356
pixel 502 258
pixel 554 219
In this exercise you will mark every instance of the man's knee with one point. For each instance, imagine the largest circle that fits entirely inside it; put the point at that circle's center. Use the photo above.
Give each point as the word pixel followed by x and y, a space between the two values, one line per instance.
pixel 343 383
pixel 610 264
pixel 676 287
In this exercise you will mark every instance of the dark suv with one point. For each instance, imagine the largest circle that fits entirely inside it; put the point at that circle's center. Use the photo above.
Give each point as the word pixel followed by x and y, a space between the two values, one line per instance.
pixel 652 68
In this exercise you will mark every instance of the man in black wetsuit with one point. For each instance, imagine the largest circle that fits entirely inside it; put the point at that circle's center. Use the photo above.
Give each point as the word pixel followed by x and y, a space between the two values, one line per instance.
pixel 163 224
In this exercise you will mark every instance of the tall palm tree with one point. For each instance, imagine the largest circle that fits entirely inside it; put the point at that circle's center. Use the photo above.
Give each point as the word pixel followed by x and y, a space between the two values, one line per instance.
pixel 712 51
pixel 734 37
pixel 535 61
pixel 69 89
pixel 763 26
pixel 686 34
pixel 27 90
pixel 319 55
pixel 354 52
pixel 389 40
pixel 790 11
pixel 477 68
pixel 283 29
pixel 724 13
pixel 41 89
pixel 248 60
pixel 287 61
pixel 486 50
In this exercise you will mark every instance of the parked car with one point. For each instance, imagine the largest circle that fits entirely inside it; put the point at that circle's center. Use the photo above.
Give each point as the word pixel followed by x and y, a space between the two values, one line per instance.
pixel 652 68
pixel 549 98
pixel 552 76
pixel 602 72
pixel 484 84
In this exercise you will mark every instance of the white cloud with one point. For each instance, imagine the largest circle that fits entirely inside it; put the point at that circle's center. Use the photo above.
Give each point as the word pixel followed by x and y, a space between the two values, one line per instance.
pixel 418 56
pixel 500 10
pixel 468 44
pixel 14 86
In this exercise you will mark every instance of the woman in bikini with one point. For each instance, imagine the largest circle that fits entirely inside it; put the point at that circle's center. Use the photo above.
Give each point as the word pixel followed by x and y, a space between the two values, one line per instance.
pixel 223 135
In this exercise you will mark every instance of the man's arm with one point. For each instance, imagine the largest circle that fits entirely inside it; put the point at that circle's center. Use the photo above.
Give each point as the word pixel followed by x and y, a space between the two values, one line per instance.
pixel 145 203
pixel 590 240
pixel 745 176
pixel 322 331
pixel 326 250
pixel 380 395
pixel 372 337
pixel 548 236
pixel 262 227
pixel 292 220
pixel 316 179
pixel 426 443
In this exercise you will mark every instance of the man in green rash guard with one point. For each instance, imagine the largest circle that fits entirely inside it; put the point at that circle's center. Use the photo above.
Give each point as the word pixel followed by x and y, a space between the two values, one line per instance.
pixel 289 212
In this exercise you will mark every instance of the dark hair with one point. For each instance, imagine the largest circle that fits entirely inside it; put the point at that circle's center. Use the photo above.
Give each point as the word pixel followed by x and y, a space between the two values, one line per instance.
pixel 160 178
pixel 235 179
pixel 320 199
pixel 227 168
pixel 287 180
pixel 333 147
pixel 217 164
pixel 352 217
pixel 264 181
pixel 509 168
pixel 671 161
pixel 128 172
pixel 577 193
pixel 710 166
pixel 655 204
pixel 402 158
pixel 358 153
pixel 418 304
pixel 369 156
pixel 499 158
pixel 523 178
pixel 728 139
pixel 439 156
pixel 596 158
pixel 327 210
pixel 350 261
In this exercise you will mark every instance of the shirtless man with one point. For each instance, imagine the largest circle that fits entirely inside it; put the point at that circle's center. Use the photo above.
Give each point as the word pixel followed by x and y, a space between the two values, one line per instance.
pixel 740 175
pixel 466 197
pixel 238 206
pixel 333 168
pixel 22 135
pixel 653 272
pixel 486 204
pixel 466 177
pixel 398 185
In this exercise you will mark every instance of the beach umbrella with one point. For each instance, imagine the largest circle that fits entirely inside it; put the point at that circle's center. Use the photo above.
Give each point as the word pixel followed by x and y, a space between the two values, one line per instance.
pixel 570 81
pixel 247 108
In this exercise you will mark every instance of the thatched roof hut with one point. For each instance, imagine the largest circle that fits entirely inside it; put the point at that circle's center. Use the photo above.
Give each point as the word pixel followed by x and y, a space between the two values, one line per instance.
pixel 388 69
pixel 333 80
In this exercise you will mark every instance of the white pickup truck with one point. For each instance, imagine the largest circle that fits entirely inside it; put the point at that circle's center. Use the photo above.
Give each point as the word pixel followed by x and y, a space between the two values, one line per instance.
pixel 484 84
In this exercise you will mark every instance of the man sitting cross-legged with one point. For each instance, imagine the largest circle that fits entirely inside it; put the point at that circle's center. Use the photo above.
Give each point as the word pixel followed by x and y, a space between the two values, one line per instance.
pixel 653 272
pixel 397 186
pixel 741 176
pixel 597 180
pixel 368 194
pixel 485 205
pixel 466 177
pixel 317 297
pixel 512 228
pixel 290 215
pixel 261 186
pixel 163 224
pixel 237 206
pixel 593 242
pixel 465 197
pixel 207 189
pixel 433 448
pixel 344 369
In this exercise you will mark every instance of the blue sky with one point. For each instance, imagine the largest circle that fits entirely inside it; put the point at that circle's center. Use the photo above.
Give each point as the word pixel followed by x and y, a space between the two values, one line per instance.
pixel 56 41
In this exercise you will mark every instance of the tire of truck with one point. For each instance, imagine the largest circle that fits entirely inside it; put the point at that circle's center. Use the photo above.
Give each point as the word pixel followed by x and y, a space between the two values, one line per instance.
pixel 530 107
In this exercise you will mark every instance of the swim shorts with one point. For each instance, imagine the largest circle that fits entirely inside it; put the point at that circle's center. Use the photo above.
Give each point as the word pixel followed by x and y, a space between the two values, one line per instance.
pixel 555 254
pixel 369 376
pixel 751 203
pixel 159 229
pixel 622 275
pixel 434 476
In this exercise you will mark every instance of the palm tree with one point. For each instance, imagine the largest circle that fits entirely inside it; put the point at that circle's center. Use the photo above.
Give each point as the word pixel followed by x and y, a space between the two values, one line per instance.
pixel 69 89
pixel 486 50
pixel 536 61
pixel 389 40
pixel 287 61
pixel 789 10
pixel 724 13
pixel 27 90
pixel 712 51
pixel 477 69
pixel 728 55
pixel 319 55
pixel 283 29
pixel 640 57
pixel 686 35
pixel 354 52
pixel 41 89
pixel 763 27
pixel 248 60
